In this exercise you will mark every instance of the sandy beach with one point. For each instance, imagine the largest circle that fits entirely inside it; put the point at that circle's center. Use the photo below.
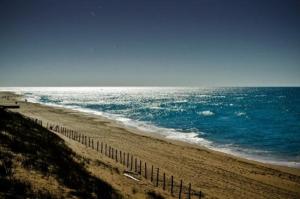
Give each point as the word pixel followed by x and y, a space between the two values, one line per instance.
pixel 216 174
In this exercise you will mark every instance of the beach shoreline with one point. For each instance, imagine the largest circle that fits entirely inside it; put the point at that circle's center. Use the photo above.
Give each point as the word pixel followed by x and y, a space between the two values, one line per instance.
pixel 216 173
pixel 171 135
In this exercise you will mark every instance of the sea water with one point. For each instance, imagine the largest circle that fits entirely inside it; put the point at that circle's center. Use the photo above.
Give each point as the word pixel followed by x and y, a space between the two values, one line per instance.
pixel 257 123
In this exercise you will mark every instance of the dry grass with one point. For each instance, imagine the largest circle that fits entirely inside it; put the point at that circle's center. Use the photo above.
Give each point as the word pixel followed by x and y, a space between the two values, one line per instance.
pixel 36 163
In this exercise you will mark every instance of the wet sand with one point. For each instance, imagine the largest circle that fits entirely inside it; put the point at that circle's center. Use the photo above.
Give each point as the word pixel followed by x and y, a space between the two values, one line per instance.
pixel 217 174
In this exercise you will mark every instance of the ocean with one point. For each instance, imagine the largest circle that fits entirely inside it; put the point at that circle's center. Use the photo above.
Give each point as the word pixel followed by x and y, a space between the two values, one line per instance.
pixel 261 124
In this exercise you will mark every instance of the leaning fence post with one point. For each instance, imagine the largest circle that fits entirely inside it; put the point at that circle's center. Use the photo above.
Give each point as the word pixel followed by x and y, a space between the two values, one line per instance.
pixel 180 189
pixel 157 177
pixel 164 182
pixel 172 182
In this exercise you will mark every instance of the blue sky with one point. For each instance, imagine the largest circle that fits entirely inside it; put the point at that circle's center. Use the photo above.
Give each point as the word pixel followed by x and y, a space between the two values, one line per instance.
pixel 149 43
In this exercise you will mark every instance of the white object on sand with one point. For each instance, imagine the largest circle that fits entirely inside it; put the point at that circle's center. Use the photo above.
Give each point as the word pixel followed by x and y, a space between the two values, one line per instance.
pixel 129 176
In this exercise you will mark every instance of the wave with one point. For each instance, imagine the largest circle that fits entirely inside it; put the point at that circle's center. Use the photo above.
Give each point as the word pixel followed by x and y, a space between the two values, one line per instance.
pixel 240 114
pixel 206 113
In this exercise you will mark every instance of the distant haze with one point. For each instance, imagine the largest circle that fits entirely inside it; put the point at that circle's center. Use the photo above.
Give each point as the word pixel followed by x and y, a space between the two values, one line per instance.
pixel 149 43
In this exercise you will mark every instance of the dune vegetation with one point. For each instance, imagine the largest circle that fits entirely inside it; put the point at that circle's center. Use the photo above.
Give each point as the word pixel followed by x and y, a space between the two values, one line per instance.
pixel 35 163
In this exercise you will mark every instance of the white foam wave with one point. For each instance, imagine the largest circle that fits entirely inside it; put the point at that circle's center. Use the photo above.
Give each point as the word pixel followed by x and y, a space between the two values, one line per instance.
pixel 156 107
pixel 254 154
pixel 206 113
pixel 240 114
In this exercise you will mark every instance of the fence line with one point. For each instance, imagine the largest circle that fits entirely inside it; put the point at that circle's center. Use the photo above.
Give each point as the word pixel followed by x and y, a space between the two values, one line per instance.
pixel 130 162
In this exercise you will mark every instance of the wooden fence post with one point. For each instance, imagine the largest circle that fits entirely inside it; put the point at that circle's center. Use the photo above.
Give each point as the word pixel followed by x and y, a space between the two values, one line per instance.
pixel 121 157
pixel 140 167
pixel 172 183
pixel 105 149
pixel 101 147
pixel 146 170
pixel 97 145
pixel 152 173
pixel 180 189
pixel 116 155
pixel 157 176
pixel 112 153
pixel 109 151
pixel 92 143
pixel 164 182
pixel 131 163
pixel 124 158
pixel 135 165
pixel 200 194
pixel 189 192
pixel 89 141
pixel 127 160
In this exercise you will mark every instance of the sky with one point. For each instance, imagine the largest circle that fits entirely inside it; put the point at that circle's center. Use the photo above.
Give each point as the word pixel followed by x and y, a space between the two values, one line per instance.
pixel 149 43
